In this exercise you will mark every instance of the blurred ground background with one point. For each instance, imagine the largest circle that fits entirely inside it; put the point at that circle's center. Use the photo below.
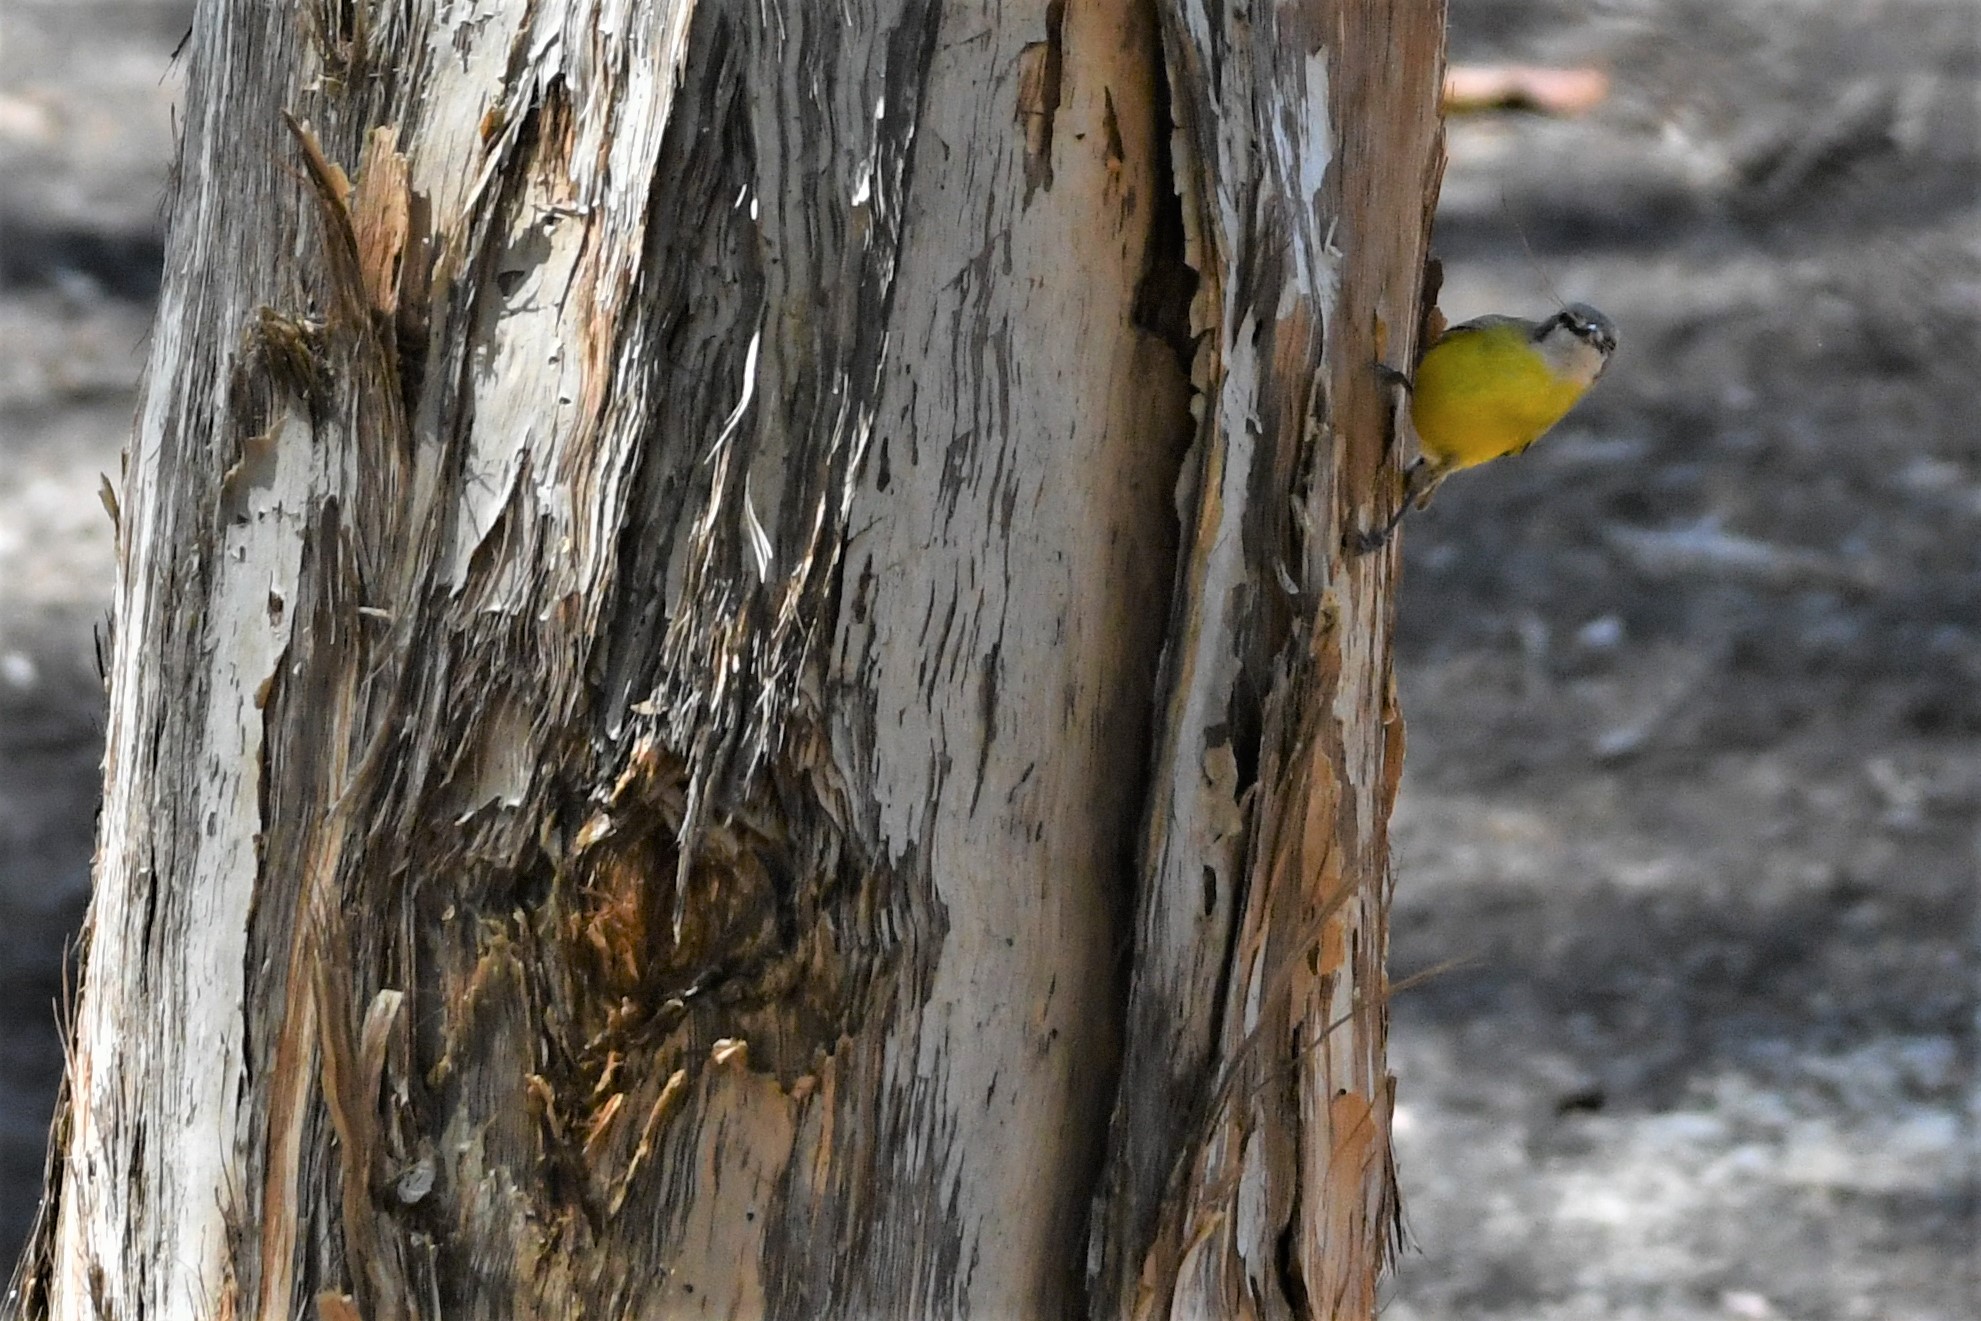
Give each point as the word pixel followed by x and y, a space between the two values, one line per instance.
pixel 1694 687
pixel 85 141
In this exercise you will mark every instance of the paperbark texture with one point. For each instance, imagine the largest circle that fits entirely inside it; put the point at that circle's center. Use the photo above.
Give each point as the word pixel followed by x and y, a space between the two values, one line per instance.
pixel 1249 1171
pixel 643 778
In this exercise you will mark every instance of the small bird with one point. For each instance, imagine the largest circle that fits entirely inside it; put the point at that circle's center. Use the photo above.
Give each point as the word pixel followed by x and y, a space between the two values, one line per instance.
pixel 1493 387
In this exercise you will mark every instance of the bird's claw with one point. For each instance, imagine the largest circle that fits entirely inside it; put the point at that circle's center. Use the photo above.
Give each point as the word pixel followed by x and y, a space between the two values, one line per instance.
pixel 1359 543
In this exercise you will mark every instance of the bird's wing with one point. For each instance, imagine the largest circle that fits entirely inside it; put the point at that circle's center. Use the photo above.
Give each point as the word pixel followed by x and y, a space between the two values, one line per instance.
pixel 1484 323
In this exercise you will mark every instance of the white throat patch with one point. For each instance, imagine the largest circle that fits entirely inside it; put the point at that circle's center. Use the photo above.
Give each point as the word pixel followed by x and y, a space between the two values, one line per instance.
pixel 1569 355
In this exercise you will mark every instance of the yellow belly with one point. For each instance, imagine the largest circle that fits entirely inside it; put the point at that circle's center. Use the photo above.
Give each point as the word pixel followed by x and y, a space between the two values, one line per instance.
pixel 1479 394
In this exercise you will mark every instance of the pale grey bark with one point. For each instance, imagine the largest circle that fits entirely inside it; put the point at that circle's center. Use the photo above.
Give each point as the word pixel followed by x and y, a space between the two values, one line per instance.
pixel 641 780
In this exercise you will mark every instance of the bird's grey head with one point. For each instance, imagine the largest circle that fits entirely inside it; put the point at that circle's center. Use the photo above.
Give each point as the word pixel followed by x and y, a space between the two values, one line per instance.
pixel 1588 325
pixel 1577 342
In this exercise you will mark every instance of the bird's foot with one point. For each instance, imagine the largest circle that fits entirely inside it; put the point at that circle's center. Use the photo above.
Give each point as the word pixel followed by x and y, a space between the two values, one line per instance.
pixel 1391 376
pixel 1358 543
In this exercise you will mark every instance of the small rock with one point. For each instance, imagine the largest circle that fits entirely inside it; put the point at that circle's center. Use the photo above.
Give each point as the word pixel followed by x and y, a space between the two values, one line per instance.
pixel 1747 1304
pixel 1604 633
pixel 18 670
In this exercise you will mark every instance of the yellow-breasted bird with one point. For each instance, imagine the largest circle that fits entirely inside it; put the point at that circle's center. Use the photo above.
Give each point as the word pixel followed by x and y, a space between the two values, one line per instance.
pixel 1493 387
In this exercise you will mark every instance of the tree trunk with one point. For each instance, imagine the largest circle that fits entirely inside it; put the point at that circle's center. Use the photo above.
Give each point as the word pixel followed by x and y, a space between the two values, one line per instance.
pixel 668 755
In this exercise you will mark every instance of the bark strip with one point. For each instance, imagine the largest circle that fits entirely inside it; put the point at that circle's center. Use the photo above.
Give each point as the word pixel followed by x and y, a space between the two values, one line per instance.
pixel 1249 1171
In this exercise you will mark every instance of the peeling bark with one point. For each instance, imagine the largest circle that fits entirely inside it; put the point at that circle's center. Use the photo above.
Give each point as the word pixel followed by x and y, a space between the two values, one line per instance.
pixel 644 567
pixel 1249 1169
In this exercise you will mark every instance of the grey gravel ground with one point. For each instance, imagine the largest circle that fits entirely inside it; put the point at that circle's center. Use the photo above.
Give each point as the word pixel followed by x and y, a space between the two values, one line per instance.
pixel 1694 688
pixel 1694 691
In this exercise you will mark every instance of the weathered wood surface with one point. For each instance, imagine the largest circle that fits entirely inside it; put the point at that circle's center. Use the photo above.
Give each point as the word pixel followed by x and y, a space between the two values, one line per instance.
pixel 640 781
pixel 1249 1172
